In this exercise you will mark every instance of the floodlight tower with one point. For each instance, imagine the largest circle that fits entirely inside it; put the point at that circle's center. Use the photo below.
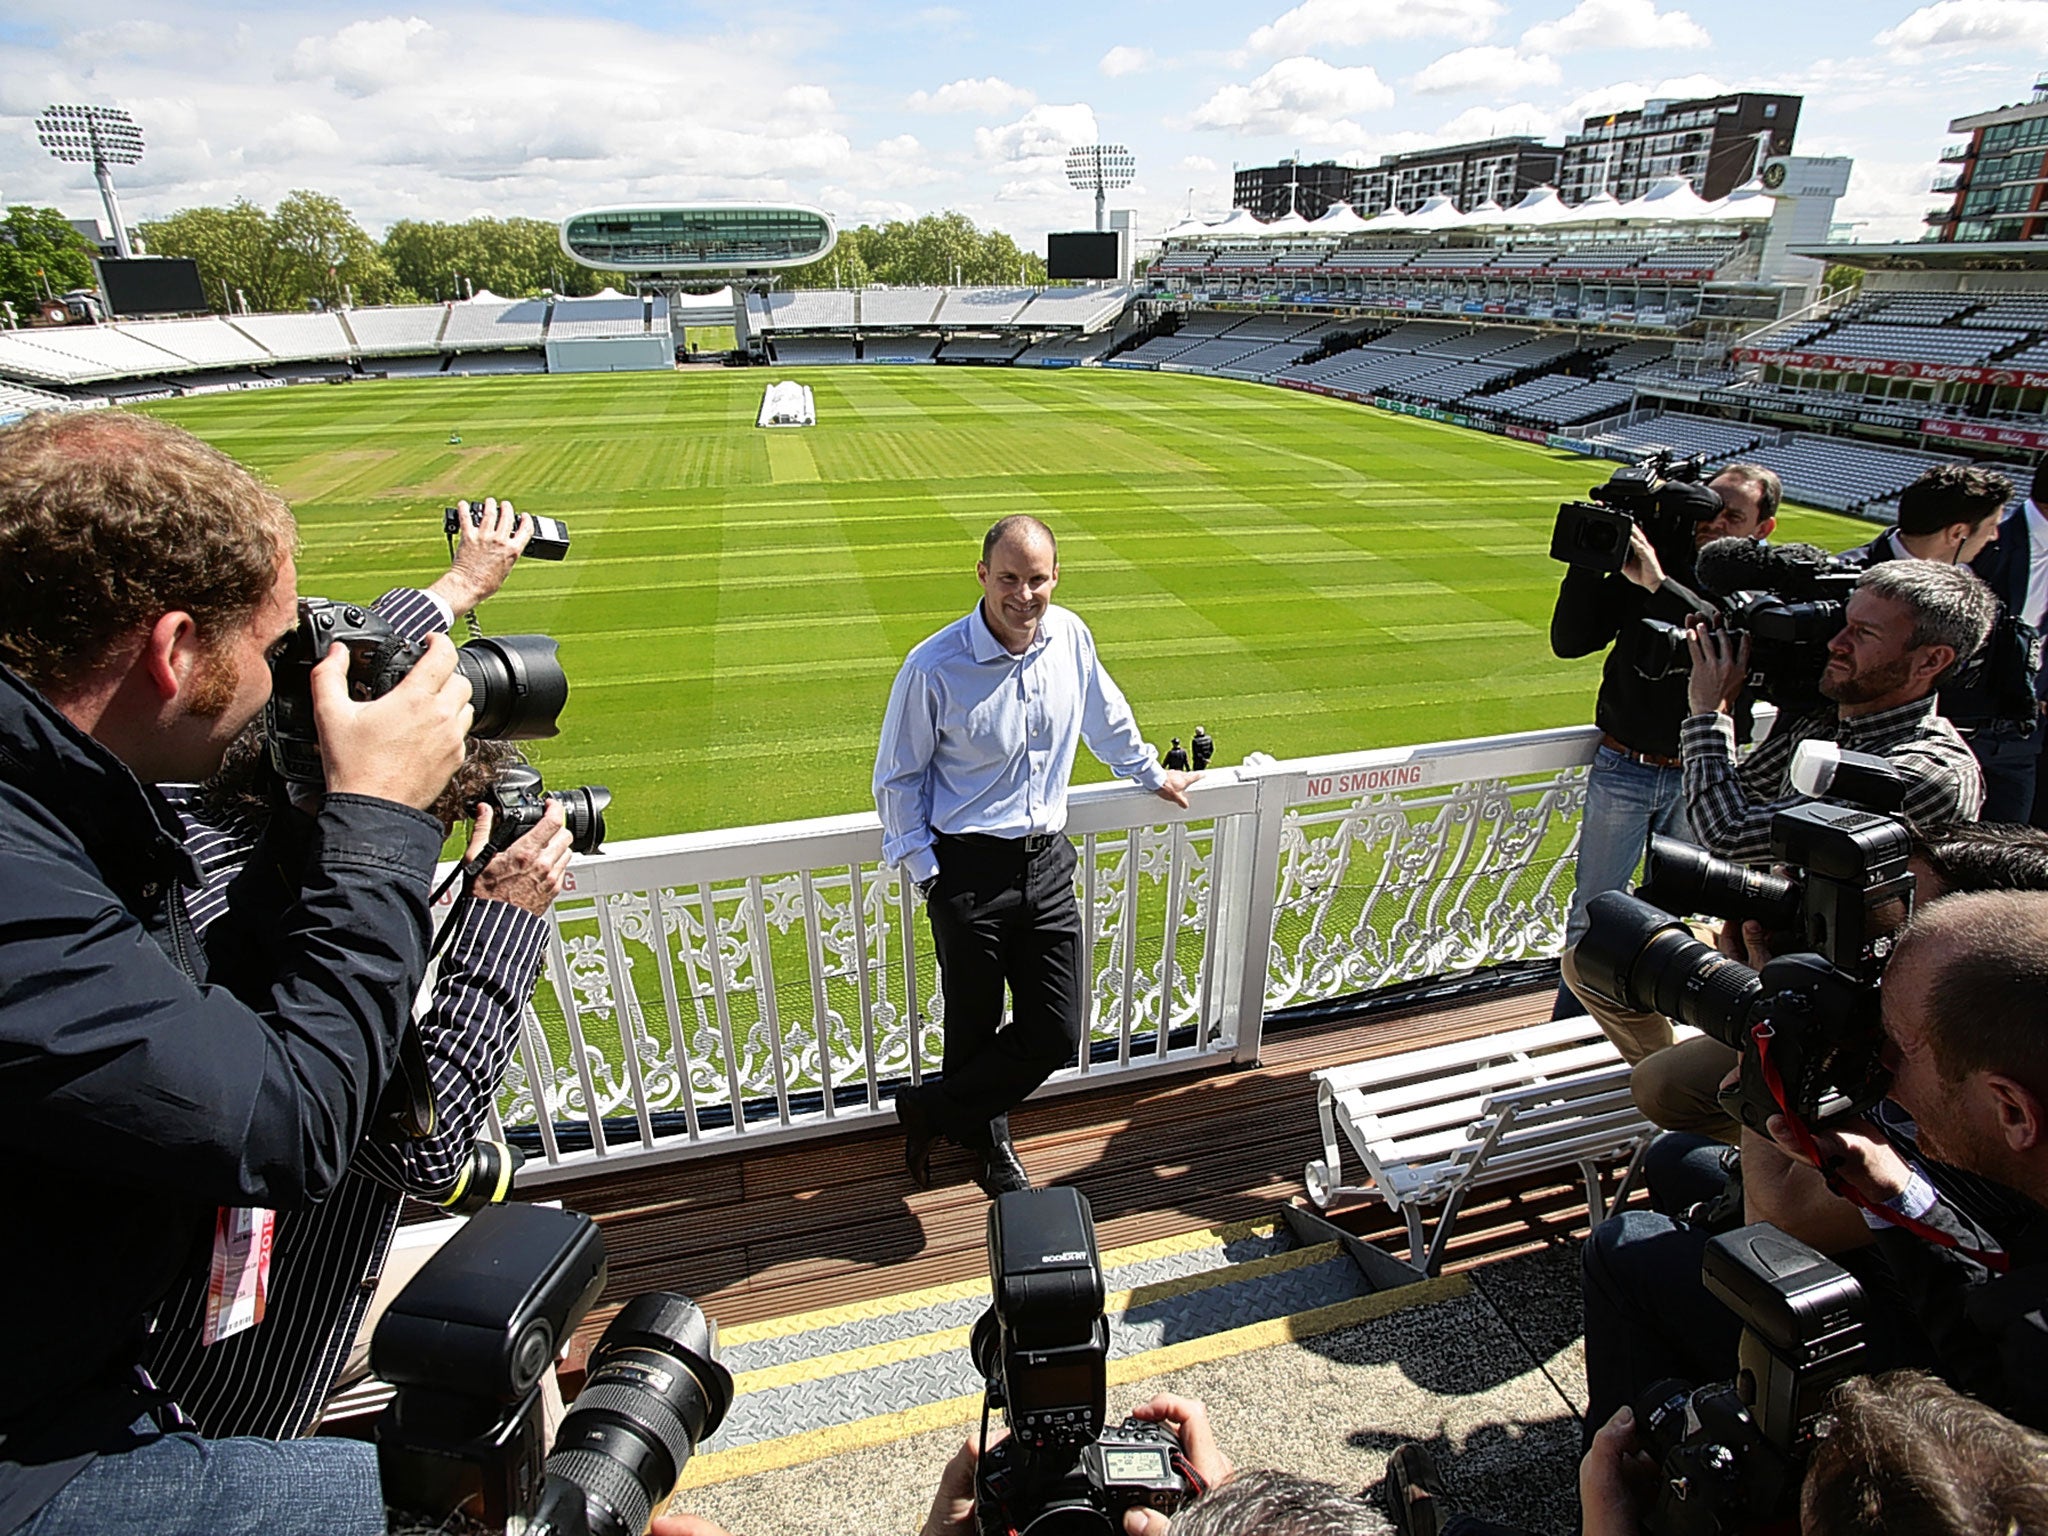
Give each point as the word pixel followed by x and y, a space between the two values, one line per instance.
pixel 105 136
pixel 1101 169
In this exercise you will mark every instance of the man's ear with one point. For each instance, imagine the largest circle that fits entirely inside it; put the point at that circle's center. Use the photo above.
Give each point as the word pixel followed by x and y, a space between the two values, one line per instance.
pixel 2022 1117
pixel 171 654
pixel 1763 529
pixel 1936 659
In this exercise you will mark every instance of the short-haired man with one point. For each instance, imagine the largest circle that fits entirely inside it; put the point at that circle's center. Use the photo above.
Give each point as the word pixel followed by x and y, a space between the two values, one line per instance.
pixel 971 775
pixel 1906 624
pixel 149 1108
pixel 1950 515
pixel 1636 787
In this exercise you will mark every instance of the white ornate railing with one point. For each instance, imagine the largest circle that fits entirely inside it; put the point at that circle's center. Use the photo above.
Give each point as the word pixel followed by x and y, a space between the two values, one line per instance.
pixel 715 988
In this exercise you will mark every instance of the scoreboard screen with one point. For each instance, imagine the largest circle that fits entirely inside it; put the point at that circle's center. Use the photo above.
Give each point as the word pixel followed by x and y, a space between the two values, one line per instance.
pixel 152 285
pixel 1087 253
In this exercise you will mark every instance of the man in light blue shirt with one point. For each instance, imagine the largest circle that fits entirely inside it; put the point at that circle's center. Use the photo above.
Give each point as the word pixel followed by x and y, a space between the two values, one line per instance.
pixel 971 781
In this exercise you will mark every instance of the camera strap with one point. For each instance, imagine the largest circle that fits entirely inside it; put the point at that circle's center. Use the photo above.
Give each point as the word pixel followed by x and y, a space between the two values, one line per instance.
pixel 1761 1035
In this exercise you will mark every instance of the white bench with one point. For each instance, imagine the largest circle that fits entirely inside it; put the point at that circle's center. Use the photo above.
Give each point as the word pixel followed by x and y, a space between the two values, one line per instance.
pixel 1432 1125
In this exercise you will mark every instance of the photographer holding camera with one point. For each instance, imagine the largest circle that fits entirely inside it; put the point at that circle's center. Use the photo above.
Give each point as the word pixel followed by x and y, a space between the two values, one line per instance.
pixel 1635 787
pixel 272 1380
pixel 151 1108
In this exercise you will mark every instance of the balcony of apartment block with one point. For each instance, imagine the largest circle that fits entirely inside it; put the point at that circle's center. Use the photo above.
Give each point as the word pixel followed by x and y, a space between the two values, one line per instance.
pixel 1953 183
pixel 1956 154
pixel 1940 216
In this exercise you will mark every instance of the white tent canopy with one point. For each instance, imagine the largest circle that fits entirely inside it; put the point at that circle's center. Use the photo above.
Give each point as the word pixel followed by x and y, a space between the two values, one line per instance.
pixel 1670 198
pixel 1600 208
pixel 1539 207
pixel 1187 227
pixel 1289 223
pixel 1338 219
pixel 1488 215
pixel 1437 213
pixel 1241 222
pixel 1748 201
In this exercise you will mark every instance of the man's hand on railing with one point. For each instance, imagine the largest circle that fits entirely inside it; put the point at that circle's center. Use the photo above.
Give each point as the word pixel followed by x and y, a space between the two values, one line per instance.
pixel 1175 788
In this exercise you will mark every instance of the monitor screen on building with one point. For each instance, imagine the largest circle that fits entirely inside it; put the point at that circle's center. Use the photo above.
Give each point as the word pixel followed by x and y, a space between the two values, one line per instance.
pixel 1087 253
pixel 152 285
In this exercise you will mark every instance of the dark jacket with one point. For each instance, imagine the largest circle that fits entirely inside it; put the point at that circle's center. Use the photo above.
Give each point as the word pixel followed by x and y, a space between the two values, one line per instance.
pixel 135 1096
pixel 1594 612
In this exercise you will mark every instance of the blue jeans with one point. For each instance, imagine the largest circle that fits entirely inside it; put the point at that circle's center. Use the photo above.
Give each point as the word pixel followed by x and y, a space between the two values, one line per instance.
pixel 1626 801
pixel 2009 765
pixel 181 1485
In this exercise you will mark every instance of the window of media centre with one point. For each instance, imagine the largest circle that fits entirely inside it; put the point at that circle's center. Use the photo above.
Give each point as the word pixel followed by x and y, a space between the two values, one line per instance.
pixel 698 235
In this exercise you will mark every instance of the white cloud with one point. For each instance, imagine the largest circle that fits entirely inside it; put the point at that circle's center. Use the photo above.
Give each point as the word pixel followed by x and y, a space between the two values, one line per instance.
pixel 1125 60
pixel 1476 123
pixel 988 96
pixel 1197 163
pixel 1353 23
pixel 1041 136
pixel 366 57
pixel 808 100
pixel 1627 95
pixel 1616 24
pixel 1971 24
pixel 1494 71
pixel 1301 96
pixel 295 137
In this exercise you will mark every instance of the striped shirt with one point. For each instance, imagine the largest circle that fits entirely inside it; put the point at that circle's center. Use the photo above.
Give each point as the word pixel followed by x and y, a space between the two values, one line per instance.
pixel 1730 802
pixel 272 1380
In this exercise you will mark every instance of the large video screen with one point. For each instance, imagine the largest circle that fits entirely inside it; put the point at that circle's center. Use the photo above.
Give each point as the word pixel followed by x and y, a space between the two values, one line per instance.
pixel 1085 253
pixel 152 285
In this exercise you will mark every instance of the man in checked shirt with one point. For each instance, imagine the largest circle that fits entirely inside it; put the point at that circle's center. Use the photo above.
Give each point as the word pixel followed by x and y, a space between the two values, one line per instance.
pixel 1907 623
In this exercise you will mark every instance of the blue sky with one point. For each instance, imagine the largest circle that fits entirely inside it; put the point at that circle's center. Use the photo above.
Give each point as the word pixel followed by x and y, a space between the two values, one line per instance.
pixel 878 111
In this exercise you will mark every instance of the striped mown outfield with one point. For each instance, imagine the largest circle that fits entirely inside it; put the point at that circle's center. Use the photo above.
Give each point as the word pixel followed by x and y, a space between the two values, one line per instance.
pixel 1300 575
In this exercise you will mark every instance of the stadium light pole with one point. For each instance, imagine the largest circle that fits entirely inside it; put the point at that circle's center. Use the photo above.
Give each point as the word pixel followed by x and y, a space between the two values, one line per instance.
pixel 102 137
pixel 1101 169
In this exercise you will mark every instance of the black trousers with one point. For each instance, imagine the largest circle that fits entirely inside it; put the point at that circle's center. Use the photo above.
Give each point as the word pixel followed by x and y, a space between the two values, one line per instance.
pixel 1003 914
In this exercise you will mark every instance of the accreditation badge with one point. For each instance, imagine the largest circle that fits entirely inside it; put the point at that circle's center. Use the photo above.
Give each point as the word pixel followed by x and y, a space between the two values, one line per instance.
pixel 239 1282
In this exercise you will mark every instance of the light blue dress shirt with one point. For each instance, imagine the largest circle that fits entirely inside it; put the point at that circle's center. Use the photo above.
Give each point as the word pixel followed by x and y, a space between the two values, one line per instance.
pixel 978 740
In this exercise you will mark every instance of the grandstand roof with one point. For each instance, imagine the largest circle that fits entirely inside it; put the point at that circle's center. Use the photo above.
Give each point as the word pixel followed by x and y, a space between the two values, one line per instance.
pixel 1935 256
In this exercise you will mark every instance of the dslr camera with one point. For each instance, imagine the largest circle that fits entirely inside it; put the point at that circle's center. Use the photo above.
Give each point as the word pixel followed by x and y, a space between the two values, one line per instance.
pixel 1807 1025
pixel 1662 494
pixel 516 683
pixel 518 800
pixel 1043 1349
pixel 468 1343
pixel 1731 1457
pixel 1790 599
pixel 550 539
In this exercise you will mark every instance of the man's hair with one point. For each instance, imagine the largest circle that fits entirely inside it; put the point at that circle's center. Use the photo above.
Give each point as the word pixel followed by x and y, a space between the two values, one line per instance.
pixel 1950 603
pixel 1985 967
pixel 1023 524
pixel 108 521
pixel 1985 856
pixel 244 786
pixel 1911 1456
pixel 1949 494
pixel 1274 1503
pixel 1769 489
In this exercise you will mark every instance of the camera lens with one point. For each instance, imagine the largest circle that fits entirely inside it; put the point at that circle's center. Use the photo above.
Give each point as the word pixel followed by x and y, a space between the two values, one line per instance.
pixel 652 1393
pixel 583 811
pixel 1645 959
pixel 1682 877
pixel 1070 1520
pixel 516 686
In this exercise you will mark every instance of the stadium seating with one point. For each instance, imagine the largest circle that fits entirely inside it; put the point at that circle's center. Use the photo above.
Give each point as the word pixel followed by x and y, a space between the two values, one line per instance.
pixel 1512 400
pixel 813 349
pixel 981 349
pixel 403 328
pixel 208 343
pixel 487 323
pixel 76 354
pixel 1588 402
pixel 297 336
pixel 899 349
pixel 983 306
pixel 409 366
pixel 900 306
pixel 620 316
pixel 1054 350
pixel 1914 343
pixel 18 400
pixel 1088 308
pixel 811 309
pixel 1453 383
pixel 1684 435
pixel 1831 472
pixel 498 362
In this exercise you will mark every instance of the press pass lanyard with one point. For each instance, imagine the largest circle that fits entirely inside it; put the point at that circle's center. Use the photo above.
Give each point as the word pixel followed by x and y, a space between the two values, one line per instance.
pixel 1761 1035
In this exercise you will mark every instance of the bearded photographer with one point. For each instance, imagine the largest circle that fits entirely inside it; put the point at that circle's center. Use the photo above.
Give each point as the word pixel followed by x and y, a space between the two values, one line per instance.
pixel 156 1099
pixel 1950 515
pixel 1635 787
pixel 272 1380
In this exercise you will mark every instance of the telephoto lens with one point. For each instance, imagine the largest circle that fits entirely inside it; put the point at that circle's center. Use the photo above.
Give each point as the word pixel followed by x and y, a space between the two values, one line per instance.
pixel 653 1392
pixel 1683 877
pixel 583 811
pixel 1647 960
pixel 516 686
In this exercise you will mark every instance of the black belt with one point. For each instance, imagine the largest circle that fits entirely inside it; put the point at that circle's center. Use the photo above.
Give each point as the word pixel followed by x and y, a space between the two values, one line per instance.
pixel 1030 843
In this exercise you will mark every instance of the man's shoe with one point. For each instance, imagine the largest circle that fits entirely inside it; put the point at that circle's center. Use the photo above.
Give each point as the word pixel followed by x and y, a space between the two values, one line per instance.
pixel 1414 1491
pixel 1001 1172
pixel 918 1137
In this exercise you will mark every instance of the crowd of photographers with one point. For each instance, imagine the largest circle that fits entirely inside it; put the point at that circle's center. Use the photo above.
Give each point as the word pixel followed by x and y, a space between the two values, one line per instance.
pixel 221 806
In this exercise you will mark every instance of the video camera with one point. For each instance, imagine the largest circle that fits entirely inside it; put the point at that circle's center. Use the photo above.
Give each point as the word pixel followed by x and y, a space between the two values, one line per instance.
pixel 516 682
pixel 518 800
pixel 550 539
pixel 1043 1349
pixel 468 1344
pixel 1731 1457
pixel 1790 599
pixel 1662 494
pixel 1807 1025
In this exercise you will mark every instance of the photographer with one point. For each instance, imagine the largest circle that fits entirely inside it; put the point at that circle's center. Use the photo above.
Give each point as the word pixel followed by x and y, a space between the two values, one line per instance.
pixel 1950 515
pixel 144 580
pixel 1635 787
pixel 2015 567
pixel 1959 1005
pixel 272 1380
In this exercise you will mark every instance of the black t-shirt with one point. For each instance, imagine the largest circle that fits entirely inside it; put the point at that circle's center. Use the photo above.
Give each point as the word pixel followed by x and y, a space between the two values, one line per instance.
pixel 1595 611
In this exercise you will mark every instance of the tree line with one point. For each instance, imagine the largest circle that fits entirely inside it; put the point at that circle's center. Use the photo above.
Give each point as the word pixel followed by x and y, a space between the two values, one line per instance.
pixel 310 248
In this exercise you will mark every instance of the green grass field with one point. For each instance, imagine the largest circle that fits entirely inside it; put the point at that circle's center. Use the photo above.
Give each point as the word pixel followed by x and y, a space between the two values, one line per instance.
pixel 1300 575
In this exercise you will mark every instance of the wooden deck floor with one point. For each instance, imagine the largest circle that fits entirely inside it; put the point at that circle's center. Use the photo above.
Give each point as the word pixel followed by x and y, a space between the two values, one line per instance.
pixel 760 1234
